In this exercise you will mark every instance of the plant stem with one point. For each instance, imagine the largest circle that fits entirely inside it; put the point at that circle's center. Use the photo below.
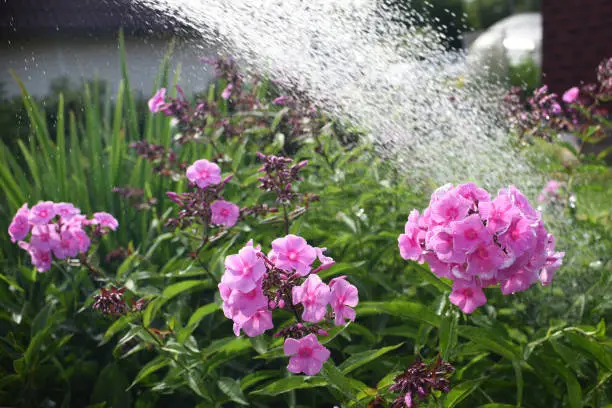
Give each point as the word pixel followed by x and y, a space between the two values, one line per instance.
pixel 286 216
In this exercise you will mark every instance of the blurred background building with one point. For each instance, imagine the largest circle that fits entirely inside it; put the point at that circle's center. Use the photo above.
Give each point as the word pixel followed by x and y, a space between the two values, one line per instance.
pixel 56 42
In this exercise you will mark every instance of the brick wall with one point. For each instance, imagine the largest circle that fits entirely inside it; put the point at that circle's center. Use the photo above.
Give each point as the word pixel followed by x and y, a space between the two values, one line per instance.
pixel 577 35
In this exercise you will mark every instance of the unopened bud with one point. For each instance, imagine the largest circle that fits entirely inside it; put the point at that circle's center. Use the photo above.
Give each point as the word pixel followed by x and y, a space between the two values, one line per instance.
pixel 174 197
pixel 272 304
pixel 322 332
pixel 281 303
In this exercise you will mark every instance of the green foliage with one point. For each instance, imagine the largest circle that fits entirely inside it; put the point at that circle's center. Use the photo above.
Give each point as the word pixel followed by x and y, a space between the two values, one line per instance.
pixel 481 14
pixel 526 75
pixel 546 347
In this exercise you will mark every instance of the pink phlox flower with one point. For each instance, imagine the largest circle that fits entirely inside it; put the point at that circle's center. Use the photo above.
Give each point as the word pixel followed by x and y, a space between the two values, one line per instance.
pixel 519 237
pixel 251 244
pixel 45 237
pixel 248 302
pixel 473 193
pixel 439 268
pixel 158 101
pixel 204 173
pixel 440 241
pixel 538 253
pixel 314 295
pixel 522 203
pixel 457 271
pixel 40 259
pixel 82 238
pixel 294 253
pixel 326 261
pixel 519 281
pixel 409 243
pixel 423 221
pixel 553 262
pixel 485 260
pixel 307 355
pixel 66 210
pixel 497 213
pixel 227 92
pixel 343 297
pixel 68 246
pixel 254 325
pixel 106 220
pixel 273 257
pixel 224 213
pixel 42 213
pixel 225 292
pixel 440 192
pixel 571 95
pixel 551 190
pixel 469 233
pixel 451 207
pixel 467 296
pixel 20 227
pixel 244 270
pixel 77 221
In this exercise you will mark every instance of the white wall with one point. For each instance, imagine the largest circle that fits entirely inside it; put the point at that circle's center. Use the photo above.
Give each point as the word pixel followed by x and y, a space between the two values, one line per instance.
pixel 39 61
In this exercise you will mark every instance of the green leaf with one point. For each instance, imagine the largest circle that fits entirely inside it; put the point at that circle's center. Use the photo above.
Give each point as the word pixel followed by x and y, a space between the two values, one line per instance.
pixel 574 391
pixel 11 282
pixel 489 340
pixel 231 388
pixel 152 366
pixel 592 348
pixel 357 360
pixel 256 377
pixel 117 326
pixel 495 405
pixel 460 392
pixel 410 310
pixel 41 321
pixel 406 330
pixel 520 383
pixel 195 319
pixel 448 333
pixel 111 388
pixel 291 383
pixel 387 380
pixel 178 288
pixel 338 380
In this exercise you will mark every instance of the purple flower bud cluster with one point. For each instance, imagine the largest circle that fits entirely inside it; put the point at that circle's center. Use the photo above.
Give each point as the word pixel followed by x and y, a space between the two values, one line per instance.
pixel 604 77
pixel 57 229
pixel 581 109
pixel 135 198
pixel 255 284
pixel 477 242
pixel 111 302
pixel 279 176
pixel 165 160
pixel 419 381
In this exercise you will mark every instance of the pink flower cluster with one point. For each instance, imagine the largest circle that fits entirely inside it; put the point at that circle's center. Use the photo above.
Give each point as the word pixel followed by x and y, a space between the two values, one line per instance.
pixel 255 284
pixel 206 203
pixel 56 228
pixel 477 242
pixel 550 191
